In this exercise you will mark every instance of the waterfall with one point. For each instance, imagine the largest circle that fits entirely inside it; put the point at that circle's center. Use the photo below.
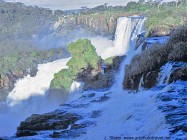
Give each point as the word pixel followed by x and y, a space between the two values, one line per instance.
pixel 37 85
pixel 136 24
pixel 128 114
pixel 166 71
pixel 28 97
pixel 123 37
pixel 123 114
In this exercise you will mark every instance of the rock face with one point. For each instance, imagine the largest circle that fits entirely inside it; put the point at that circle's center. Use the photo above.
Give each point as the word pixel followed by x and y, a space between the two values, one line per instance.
pixel 102 79
pixel 95 24
pixel 144 68
pixel 159 32
pixel 178 74
pixel 69 121
pixel 7 84
pixel 50 121
pixel 150 79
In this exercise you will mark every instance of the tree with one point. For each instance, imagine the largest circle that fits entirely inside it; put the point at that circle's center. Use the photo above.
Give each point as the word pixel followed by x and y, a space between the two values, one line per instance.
pixel 142 2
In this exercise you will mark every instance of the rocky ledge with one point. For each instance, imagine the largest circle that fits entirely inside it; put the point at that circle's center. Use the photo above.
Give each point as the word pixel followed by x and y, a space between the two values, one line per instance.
pixel 70 120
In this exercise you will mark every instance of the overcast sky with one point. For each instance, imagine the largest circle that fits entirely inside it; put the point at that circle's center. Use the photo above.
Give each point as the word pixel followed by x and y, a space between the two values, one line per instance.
pixel 72 4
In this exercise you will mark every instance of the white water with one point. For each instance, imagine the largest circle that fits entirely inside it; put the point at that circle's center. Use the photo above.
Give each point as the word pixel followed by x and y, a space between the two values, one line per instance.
pixel 165 73
pixel 123 37
pixel 130 50
pixel 38 85
pixel 128 114
pixel 124 114
pixel 75 90
pixel 28 97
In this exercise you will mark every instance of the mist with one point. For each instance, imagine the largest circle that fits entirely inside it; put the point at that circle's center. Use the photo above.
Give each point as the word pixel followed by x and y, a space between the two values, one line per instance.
pixel 30 96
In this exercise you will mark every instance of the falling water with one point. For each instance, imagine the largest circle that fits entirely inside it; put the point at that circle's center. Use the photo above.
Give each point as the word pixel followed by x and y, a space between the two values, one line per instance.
pixel 130 41
pixel 128 114
pixel 124 114
pixel 28 97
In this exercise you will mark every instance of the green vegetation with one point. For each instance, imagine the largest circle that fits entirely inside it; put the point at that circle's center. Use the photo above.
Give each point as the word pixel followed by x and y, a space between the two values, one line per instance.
pixel 83 56
pixel 22 25
pixel 109 60
pixel 62 80
pixel 18 61
pixel 163 17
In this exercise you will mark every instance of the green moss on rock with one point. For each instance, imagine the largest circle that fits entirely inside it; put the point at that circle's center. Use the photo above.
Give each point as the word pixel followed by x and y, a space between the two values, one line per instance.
pixel 83 56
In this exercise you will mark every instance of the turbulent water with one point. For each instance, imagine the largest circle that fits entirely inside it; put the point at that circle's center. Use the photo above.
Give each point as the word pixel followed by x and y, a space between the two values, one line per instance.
pixel 123 37
pixel 122 114
pixel 28 97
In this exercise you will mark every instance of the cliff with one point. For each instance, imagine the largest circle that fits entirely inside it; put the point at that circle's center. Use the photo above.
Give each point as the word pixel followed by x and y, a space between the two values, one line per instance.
pixel 145 67
pixel 14 67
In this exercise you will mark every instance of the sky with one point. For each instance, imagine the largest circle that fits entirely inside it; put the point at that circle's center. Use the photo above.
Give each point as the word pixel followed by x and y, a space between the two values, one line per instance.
pixel 70 4
pixel 73 4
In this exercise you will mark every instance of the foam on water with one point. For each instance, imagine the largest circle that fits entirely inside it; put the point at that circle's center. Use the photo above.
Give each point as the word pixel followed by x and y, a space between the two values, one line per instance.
pixel 123 114
pixel 128 114
pixel 38 85
pixel 28 97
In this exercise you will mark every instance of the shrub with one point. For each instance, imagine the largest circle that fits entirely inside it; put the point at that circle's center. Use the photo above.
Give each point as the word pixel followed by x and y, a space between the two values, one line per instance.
pixel 109 60
pixel 179 52
pixel 84 56
pixel 155 57
pixel 148 60
pixel 62 80
pixel 179 35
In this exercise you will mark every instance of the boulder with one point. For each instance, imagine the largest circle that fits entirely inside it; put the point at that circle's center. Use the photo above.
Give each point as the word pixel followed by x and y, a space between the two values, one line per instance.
pixel 157 32
pixel 178 74
pixel 49 121
pixel 150 79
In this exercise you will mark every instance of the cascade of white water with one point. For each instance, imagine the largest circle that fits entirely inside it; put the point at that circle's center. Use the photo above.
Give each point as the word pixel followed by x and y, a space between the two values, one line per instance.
pixel 124 114
pixel 28 97
pixel 119 47
pixel 75 90
pixel 137 27
pixel 128 114
pixel 165 73
pixel 38 85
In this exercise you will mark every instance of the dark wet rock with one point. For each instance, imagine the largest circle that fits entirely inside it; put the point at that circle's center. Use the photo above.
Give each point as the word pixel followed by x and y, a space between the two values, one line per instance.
pixel 100 80
pixel 178 74
pixel 76 105
pixel 68 134
pixel 101 99
pixel 91 95
pixel 76 130
pixel 33 71
pixel 25 133
pixel 133 82
pixel 78 126
pixel 96 114
pixel 49 121
pixel 150 79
